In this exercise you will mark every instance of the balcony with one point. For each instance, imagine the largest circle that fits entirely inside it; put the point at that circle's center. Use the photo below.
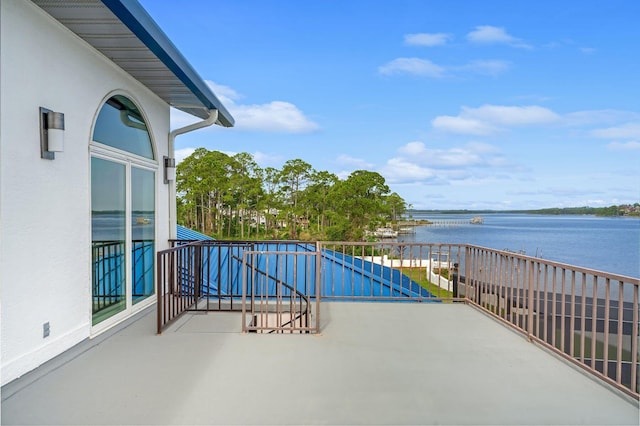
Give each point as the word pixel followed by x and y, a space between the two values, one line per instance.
pixel 491 343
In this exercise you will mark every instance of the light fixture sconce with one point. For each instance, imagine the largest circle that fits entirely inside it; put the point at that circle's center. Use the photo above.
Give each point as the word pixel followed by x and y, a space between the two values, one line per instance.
pixel 169 169
pixel 51 133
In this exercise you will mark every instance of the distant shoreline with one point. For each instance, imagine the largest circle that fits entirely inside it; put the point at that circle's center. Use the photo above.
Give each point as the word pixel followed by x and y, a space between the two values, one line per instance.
pixel 613 211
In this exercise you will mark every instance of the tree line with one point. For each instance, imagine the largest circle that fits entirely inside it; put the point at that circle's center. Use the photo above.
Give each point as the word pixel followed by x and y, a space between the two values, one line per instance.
pixel 231 197
pixel 614 210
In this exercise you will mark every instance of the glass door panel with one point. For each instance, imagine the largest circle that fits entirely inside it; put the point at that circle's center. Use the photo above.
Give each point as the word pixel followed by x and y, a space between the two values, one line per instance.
pixel 142 233
pixel 108 237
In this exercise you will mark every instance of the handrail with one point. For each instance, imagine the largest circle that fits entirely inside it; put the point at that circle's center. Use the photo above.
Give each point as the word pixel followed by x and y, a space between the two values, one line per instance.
pixel 302 295
pixel 604 274
pixel 586 316
pixel 265 302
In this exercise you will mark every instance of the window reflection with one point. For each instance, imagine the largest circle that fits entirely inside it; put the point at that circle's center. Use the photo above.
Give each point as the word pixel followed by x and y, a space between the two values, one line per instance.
pixel 120 125
pixel 142 232
pixel 107 238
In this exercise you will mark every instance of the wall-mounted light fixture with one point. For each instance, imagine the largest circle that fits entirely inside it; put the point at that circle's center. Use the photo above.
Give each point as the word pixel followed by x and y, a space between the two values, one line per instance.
pixel 169 169
pixel 51 133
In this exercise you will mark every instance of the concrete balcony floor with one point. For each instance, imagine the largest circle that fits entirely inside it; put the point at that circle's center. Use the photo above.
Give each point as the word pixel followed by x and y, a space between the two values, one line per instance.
pixel 373 363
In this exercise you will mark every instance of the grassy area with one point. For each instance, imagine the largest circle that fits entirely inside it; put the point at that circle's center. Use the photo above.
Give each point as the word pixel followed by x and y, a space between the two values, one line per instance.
pixel 443 272
pixel 612 355
pixel 419 275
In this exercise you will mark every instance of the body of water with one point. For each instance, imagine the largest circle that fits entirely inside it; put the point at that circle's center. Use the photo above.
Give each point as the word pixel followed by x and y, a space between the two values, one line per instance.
pixel 601 243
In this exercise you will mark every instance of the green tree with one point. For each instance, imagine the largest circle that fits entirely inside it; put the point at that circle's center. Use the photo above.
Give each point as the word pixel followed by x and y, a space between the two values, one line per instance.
pixel 246 186
pixel 360 198
pixel 317 196
pixel 231 196
pixel 396 206
pixel 293 179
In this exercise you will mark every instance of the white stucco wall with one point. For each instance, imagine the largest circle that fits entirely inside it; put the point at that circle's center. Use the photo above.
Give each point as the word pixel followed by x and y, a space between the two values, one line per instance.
pixel 45 221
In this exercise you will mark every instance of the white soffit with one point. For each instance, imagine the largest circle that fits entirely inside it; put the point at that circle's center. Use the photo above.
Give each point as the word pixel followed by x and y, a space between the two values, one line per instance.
pixel 125 33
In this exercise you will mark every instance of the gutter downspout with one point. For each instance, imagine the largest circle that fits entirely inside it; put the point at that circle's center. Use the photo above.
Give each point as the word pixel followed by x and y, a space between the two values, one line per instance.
pixel 213 117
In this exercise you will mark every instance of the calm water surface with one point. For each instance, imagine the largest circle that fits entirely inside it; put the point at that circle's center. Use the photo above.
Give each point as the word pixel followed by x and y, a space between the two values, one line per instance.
pixel 602 243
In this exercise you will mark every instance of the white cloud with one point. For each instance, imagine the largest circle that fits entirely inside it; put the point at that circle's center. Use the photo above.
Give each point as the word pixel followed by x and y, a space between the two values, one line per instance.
pixel 427 68
pixel 426 39
pixel 626 131
pixel 488 34
pixel 181 154
pixel 357 163
pixel 418 163
pixel 268 160
pixel 624 146
pixel 471 154
pixel 413 148
pixel 512 115
pixel 414 66
pixel 344 174
pixel 456 157
pixel 399 170
pixel 275 116
pixel 588 50
pixel 225 93
pixel 488 119
pixel 600 117
pixel 487 67
pixel 180 119
pixel 462 125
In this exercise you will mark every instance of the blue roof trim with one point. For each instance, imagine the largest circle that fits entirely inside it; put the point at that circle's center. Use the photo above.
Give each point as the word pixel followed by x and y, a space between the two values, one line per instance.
pixel 189 234
pixel 133 15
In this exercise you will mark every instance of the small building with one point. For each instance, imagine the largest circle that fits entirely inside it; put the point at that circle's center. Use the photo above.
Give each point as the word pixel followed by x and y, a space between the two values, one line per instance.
pixel 87 190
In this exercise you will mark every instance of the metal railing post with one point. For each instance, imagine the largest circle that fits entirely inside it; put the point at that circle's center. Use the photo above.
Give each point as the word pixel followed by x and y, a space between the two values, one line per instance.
pixel 197 279
pixel 454 280
pixel 159 292
pixel 244 293
pixel 318 284
pixel 530 301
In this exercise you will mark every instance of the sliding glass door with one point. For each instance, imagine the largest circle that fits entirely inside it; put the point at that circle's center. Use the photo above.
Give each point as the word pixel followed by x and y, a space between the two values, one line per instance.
pixel 123 211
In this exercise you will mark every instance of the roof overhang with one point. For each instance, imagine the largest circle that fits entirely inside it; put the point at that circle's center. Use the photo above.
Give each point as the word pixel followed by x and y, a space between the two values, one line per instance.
pixel 126 34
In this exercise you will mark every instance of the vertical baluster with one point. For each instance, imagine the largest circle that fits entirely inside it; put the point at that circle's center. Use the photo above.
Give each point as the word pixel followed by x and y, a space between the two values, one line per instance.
pixel 553 306
pixel 634 343
pixel 572 319
pixel 607 324
pixel 583 316
pixel 594 321
pixel 362 254
pixel 563 310
pixel 243 300
pixel 620 332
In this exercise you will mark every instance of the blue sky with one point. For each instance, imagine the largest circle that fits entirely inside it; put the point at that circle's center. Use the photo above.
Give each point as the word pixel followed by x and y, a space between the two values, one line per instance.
pixel 458 104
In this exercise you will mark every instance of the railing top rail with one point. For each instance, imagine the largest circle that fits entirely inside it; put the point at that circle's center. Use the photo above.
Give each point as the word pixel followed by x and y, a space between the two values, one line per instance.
pixel 387 243
pixel 612 276
pixel 248 254
pixel 580 269
pixel 301 253
pixel 245 241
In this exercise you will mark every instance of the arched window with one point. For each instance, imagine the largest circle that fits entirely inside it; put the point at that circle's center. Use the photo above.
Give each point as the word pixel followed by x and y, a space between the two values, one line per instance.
pixel 123 196
pixel 121 125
